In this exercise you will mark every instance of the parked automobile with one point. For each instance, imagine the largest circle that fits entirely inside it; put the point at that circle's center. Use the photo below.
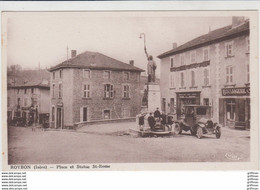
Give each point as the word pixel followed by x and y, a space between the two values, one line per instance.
pixel 198 120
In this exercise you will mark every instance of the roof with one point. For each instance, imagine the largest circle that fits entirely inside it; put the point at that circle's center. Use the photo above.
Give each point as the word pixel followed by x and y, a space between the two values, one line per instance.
pixel 212 37
pixel 95 60
pixel 30 84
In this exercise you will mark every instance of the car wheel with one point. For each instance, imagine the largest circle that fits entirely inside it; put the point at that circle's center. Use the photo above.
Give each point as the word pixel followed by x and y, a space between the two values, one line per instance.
pixel 177 129
pixel 199 132
pixel 218 132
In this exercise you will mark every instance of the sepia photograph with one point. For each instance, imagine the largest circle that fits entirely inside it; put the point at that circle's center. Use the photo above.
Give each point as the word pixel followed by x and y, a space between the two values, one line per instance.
pixel 165 87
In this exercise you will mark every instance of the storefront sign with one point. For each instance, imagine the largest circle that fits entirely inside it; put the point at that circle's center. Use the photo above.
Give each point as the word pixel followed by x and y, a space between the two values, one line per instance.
pixel 188 95
pixel 191 66
pixel 243 91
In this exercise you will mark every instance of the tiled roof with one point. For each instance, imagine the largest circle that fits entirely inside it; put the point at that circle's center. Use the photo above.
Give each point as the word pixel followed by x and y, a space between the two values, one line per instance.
pixel 95 60
pixel 211 37
pixel 36 83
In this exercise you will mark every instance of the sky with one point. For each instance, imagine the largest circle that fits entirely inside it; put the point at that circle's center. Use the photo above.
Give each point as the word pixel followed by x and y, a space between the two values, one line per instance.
pixel 42 38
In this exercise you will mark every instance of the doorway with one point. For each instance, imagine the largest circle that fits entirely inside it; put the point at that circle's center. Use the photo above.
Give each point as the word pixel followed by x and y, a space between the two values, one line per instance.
pixel 59 118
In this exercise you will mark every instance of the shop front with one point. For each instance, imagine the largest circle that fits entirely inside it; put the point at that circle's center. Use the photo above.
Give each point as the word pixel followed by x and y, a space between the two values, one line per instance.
pixel 235 107
pixel 185 98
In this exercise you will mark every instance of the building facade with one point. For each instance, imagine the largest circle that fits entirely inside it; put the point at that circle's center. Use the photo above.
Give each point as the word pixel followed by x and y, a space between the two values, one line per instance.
pixel 30 100
pixel 92 87
pixel 212 69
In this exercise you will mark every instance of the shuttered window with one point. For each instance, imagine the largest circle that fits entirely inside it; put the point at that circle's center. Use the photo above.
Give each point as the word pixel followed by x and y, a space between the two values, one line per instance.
pixel 108 91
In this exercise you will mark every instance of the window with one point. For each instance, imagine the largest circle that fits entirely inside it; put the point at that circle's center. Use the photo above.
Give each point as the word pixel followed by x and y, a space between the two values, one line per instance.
pixel 60 90
pixel 172 61
pixel 18 91
pixel 108 91
pixel 231 106
pixel 229 49
pixel 18 101
pixel 205 101
pixel 25 91
pixel 107 75
pixel 32 90
pixel 106 114
pixel 126 91
pixel 86 73
pixel 25 102
pixel 53 75
pixel 201 111
pixel 229 75
pixel 53 90
pixel 172 80
pixel 206 77
pixel 193 78
pixel 193 57
pixel 60 73
pixel 86 91
pixel 52 113
pixel 182 80
pixel 126 76
pixel 248 73
pixel 85 113
pixel 205 54
pixel 182 59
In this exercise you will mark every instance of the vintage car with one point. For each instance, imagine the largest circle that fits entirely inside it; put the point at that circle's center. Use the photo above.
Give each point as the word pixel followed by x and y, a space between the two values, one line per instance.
pixel 198 120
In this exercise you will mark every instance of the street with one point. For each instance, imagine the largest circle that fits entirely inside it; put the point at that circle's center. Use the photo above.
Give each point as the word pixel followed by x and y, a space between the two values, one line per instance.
pixel 112 143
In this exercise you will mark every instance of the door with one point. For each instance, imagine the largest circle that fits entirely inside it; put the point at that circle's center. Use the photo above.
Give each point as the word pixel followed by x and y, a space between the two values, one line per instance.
pixel 59 118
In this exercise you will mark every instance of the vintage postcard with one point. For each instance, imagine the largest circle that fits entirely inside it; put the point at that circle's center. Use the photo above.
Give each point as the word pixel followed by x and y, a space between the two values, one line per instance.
pixel 134 90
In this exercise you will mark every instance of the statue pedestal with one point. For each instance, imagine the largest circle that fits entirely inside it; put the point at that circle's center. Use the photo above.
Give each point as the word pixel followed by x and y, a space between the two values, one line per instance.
pixel 154 97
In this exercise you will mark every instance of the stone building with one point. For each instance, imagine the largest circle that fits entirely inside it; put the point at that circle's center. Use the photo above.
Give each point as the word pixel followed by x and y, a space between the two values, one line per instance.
pixel 212 69
pixel 28 100
pixel 93 87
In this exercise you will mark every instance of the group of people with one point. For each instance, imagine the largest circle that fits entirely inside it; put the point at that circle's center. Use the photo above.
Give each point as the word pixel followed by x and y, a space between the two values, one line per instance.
pixel 156 119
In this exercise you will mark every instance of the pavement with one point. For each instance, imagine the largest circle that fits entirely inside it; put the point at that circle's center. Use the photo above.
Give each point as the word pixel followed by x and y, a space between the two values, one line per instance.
pixel 112 143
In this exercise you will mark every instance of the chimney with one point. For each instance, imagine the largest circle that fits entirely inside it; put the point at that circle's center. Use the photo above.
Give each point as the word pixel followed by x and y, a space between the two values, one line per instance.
pixel 237 20
pixel 174 45
pixel 73 53
pixel 131 62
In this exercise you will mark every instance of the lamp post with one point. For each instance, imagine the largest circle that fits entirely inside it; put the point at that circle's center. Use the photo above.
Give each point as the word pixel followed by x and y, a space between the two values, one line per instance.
pixel 142 35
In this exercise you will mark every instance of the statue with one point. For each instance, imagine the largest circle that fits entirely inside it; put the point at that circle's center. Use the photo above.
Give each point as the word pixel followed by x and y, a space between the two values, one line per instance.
pixel 151 67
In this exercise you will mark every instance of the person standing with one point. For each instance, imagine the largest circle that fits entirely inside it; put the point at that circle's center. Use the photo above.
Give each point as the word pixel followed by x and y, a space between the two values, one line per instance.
pixel 151 121
pixel 157 113
pixel 141 122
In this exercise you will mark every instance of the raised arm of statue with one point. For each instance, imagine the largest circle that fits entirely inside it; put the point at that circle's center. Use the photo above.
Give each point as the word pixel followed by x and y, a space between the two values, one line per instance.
pixel 146 53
